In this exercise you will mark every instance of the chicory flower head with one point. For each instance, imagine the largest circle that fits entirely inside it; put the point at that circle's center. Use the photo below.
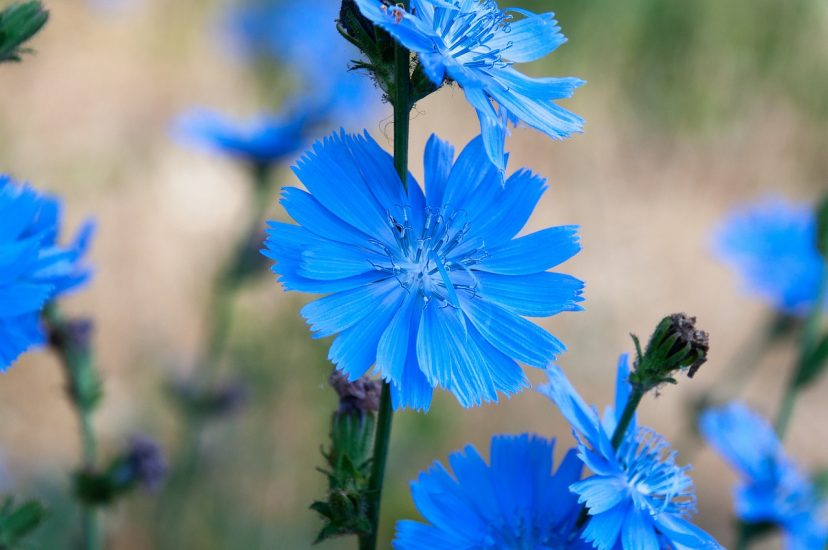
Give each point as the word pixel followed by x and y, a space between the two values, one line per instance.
pixel 303 36
pixel 772 246
pixel 432 287
pixel 262 141
pixel 637 495
pixel 773 489
pixel 34 268
pixel 476 44
pixel 516 503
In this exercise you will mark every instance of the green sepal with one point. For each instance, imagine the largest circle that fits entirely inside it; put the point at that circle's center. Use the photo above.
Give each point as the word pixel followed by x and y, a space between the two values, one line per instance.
pixel 345 507
pixel 378 47
pixel 103 488
pixel 18 23
pixel 17 522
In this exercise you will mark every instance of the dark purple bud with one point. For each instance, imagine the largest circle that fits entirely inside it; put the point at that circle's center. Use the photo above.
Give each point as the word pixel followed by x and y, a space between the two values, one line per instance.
pixel 146 462
pixel 362 395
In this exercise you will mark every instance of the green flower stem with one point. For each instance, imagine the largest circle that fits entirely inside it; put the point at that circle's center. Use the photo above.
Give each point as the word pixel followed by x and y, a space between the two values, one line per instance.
pixel 743 538
pixel 220 316
pixel 84 394
pixel 618 434
pixel 402 109
pixel 626 417
pixel 232 275
pixel 810 336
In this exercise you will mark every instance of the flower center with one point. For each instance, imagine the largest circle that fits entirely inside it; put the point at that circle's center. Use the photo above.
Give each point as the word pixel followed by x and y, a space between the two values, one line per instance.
pixel 467 29
pixel 434 260
pixel 657 484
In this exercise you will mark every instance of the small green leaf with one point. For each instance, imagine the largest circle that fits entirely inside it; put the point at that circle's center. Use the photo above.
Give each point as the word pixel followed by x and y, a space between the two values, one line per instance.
pixel 18 23
pixel 18 522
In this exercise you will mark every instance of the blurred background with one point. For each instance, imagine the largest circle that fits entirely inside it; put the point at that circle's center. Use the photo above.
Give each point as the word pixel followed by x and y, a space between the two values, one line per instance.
pixel 691 108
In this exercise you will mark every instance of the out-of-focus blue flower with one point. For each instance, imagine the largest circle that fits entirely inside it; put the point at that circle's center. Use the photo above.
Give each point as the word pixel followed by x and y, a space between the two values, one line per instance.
pixel 516 503
pixel 34 268
pixel 476 44
pixel 262 141
pixel 773 489
pixel 772 245
pixel 638 495
pixel 302 36
pixel 430 288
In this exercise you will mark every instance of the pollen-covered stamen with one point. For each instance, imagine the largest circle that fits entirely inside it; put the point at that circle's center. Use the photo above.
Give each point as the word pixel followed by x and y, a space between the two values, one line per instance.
pixel 657 483
pixel 426 261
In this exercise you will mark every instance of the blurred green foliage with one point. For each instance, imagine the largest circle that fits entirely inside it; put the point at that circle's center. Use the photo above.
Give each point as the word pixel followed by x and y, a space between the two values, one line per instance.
pixel 696 65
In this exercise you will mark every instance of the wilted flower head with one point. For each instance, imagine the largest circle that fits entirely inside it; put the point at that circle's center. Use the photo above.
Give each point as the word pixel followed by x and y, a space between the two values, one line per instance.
pixel 772 489
pixel 516 502
pixel 772 246
pixel 33 267
pixel 476 44
pixel 637 495
pixel 430 288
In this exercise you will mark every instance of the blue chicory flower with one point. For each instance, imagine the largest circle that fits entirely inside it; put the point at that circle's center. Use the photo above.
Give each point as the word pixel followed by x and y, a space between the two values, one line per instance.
pixel 515 503
pixel 476 44
pixel 430 288
pixel 33 267
pixel 637 495
pixel 303 36
pixel 772 246
pixel 262 141
pixel 773 489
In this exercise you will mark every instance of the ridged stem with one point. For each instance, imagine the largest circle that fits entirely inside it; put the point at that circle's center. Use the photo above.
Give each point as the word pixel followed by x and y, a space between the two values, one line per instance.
pixel 382 438
pixel 810 334
pixel 82 385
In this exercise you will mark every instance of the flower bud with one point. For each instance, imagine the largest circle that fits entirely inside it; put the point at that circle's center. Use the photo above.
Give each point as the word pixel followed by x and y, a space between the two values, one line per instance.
pixel 141 463
pixel 345 508
pixel 676 345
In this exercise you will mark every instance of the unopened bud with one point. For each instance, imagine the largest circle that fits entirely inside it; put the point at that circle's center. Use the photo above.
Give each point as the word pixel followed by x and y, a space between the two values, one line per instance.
pixel 676 345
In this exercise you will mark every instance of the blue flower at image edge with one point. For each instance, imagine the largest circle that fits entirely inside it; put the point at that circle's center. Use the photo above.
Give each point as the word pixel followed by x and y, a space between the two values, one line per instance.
pixel 476 44
pixel 516 503
pixel 773 489
pixel 772 246
pixel 637 495
pixel 262 141
pixel 33 267
pixel 429 288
